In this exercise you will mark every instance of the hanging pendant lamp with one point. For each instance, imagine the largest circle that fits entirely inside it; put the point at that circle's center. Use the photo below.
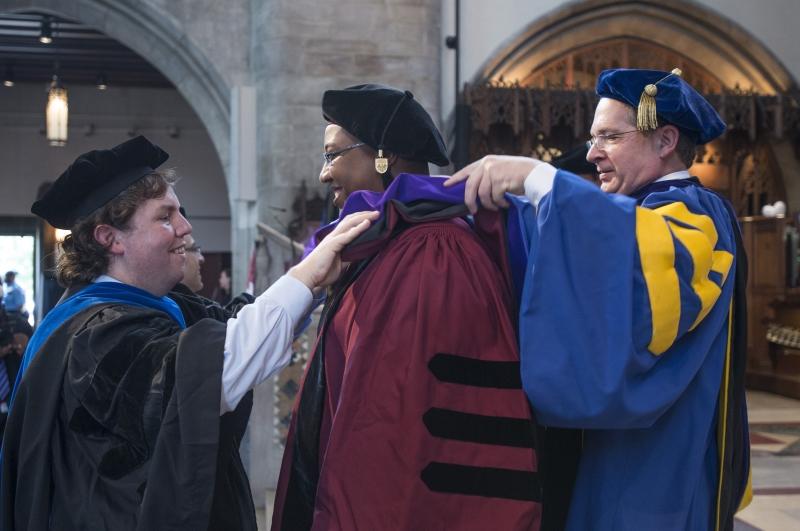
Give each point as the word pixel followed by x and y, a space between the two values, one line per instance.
pixel 57 113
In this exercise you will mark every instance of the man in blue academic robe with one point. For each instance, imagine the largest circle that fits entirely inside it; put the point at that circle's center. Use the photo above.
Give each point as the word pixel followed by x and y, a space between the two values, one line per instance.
pixel 632 310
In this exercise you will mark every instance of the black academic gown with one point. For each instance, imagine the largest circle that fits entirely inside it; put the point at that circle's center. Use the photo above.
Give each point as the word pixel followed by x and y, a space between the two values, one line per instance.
pixel 116 425
pixel 233 502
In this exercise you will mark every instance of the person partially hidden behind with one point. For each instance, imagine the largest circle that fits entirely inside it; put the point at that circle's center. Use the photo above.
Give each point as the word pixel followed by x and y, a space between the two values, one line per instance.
pixel 193 274
pixel 14 335
pixel 411 415
pixel 186 292
pixel 222 293
pixel 117 420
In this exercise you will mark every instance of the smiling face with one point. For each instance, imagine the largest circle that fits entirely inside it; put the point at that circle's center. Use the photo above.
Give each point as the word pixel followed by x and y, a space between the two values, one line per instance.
pixel 628 161
pixel 351 171
pixel 150 252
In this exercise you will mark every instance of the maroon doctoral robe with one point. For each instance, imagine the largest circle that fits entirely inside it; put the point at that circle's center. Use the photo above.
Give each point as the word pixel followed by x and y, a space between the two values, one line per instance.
pixel 411 415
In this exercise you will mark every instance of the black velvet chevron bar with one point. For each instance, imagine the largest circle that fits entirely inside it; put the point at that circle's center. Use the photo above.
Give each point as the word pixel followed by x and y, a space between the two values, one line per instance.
pixel 459 426
pixel 452 368
pixel 480 481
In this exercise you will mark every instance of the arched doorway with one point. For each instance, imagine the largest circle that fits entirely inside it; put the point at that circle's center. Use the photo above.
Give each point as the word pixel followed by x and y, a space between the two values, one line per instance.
pixel 682 27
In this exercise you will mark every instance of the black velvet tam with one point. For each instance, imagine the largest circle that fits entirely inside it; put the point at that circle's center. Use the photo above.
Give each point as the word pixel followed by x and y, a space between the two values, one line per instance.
pixel 95 178
pixel 386 118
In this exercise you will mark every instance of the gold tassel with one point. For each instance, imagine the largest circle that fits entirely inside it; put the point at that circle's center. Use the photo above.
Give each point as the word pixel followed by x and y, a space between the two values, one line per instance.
pixel 646 118
pixel 646 114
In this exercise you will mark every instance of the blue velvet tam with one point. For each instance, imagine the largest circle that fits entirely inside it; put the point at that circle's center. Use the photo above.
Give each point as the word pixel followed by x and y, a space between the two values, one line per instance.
pixel 676 102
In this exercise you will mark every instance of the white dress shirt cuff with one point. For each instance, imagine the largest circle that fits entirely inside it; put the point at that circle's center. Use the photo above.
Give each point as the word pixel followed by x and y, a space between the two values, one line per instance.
pixel 292 295
pixel 539 182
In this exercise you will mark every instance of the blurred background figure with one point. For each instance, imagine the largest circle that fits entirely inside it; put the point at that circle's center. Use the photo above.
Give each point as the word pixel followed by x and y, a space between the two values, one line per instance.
pixel 222 293
pixel 14 334
pixel 14 298
pixel 192 278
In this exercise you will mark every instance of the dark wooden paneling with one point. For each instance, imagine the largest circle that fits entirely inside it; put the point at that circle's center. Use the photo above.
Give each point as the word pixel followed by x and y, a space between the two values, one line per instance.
pixel 770 367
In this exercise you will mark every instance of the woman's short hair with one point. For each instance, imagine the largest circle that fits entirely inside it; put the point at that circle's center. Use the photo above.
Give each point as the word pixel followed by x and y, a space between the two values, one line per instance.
pixel 83 258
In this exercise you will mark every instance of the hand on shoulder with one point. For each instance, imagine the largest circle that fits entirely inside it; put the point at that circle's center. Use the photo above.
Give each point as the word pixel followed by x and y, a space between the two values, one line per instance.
pixel 324 265
pixel 489 178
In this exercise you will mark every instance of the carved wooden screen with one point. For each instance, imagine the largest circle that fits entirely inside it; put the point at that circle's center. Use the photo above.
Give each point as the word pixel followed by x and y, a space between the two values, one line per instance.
pixel 510 119
pixel 580 67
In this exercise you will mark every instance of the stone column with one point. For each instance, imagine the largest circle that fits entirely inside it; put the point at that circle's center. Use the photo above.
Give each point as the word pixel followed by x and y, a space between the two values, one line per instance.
pixel 243 175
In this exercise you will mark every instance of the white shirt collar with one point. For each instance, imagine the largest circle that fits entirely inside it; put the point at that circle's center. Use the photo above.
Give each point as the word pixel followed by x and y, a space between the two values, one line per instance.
pixel 683 174
pixel 106 278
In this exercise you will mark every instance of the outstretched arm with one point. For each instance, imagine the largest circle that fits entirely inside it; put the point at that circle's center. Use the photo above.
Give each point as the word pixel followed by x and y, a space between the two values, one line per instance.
pixel 258 341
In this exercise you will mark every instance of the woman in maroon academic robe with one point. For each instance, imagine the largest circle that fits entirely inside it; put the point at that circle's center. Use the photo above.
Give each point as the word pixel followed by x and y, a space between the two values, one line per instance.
pixel 411 415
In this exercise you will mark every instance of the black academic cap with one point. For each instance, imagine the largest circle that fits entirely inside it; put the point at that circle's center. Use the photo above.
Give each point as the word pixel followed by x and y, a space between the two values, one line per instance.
pixel 386 118
pixel 95 178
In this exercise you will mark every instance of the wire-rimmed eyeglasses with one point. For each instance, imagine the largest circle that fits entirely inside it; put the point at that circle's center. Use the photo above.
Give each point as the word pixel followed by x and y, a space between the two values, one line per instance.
pixel 600 141
pixel 330 156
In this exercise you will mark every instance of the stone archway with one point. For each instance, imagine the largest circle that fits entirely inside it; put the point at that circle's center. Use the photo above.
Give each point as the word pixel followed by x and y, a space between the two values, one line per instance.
pixel 225 108
pixel 154 35
pixel 690 30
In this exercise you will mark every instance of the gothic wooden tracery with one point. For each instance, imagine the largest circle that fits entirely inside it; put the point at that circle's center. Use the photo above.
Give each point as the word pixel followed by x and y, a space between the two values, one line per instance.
pixel 580 67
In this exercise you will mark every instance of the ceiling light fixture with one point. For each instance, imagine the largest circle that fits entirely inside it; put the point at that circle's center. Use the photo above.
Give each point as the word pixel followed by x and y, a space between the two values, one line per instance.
pixel 8 78
pixel 57 113
pixel 100 81
pixel 46 32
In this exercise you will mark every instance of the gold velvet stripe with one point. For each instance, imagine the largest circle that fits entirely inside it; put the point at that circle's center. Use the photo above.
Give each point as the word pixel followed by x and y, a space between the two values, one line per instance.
pixel 699 236
pixel 657 255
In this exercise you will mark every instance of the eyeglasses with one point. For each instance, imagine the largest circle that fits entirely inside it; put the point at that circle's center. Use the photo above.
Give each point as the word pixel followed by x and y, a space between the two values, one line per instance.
pixel 599 141
pixel 330 156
